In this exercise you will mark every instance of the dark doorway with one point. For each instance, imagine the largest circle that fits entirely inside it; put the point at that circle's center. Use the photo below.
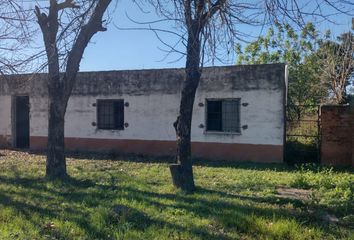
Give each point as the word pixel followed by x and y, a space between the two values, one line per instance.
pixel 22 122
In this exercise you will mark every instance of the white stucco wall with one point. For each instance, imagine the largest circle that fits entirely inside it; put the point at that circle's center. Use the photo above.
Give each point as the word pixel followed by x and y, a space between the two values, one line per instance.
pixel 150 116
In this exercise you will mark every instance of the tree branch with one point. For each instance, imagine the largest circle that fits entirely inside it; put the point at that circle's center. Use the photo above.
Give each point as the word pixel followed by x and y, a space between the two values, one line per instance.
pixel 67 4
pixel 93 26
pixel 41 17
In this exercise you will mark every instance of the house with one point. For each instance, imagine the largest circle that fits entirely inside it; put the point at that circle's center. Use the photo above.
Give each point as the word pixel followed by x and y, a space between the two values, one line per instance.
pixel 239 112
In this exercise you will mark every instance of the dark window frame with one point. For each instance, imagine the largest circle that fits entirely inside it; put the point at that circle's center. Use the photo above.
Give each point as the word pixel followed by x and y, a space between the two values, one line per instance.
pixel 116 105
pixel 238 116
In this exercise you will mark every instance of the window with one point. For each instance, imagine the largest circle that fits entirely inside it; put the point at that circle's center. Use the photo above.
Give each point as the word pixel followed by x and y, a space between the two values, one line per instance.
pixel 223 115
pixel 110 114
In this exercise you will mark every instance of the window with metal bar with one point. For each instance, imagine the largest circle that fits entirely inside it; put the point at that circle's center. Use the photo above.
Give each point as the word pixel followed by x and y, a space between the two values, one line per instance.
pixel 110 114
pixel 223 115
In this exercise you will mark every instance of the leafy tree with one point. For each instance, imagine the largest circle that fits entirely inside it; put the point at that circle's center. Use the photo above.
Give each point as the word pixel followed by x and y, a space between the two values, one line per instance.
pixel 320 69
pixel 282 44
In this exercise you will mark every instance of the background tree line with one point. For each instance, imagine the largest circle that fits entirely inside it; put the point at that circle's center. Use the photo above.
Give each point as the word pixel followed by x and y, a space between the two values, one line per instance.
pixel 321 68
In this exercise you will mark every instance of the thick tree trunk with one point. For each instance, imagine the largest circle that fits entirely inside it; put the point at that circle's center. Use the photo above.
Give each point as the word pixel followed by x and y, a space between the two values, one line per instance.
pixel 182 172
pixel 56 164
pixel 60 87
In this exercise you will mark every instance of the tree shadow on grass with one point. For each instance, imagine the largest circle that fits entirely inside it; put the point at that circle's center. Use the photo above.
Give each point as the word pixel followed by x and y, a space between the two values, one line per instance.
pixel 228 212
pixel 72 191
pixel 38 199
pixel 238 212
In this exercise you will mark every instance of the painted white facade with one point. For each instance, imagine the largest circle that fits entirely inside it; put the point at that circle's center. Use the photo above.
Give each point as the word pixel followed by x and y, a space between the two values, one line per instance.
pixel 150 116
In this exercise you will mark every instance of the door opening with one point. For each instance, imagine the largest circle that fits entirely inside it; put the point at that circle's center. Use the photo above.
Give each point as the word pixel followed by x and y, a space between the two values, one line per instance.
pixel 22 124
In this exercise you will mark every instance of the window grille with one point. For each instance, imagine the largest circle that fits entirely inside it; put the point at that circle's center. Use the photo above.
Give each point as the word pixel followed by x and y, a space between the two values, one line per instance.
pixel 110 114
pixel 223 115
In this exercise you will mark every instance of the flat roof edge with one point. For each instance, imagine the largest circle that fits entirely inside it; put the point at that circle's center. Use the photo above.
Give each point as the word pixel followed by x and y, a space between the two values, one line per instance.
pixel 157 69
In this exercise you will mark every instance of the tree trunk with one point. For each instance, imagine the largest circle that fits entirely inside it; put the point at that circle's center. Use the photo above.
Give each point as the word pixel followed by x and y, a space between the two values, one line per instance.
pixel 182 172
pixel 56 164
pixel 60 85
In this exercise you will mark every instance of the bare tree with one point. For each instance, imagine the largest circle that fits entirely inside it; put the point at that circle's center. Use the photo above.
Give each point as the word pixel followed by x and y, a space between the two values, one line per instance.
pixel 208 27
pixel 15 36
pixel 336 65
pixel 67 27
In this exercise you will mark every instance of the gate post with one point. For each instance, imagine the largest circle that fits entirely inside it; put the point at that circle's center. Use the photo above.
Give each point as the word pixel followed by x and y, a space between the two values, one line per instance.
pixel 336 135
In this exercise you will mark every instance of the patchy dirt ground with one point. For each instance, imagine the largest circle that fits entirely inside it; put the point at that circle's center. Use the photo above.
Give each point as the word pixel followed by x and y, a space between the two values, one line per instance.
pixel 294 193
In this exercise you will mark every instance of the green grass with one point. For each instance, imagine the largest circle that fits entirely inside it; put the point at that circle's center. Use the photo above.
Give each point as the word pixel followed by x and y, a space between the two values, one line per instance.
pixel 116 199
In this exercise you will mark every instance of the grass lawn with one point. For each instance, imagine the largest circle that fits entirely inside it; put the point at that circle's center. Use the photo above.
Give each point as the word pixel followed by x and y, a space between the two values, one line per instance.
pixel 131 199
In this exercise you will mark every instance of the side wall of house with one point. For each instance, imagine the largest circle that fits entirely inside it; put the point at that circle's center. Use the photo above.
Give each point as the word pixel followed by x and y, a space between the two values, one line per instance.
pixel 152 99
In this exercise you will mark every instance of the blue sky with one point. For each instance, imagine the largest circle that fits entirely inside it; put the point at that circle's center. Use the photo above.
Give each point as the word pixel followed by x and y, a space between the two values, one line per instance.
pixel 137 49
